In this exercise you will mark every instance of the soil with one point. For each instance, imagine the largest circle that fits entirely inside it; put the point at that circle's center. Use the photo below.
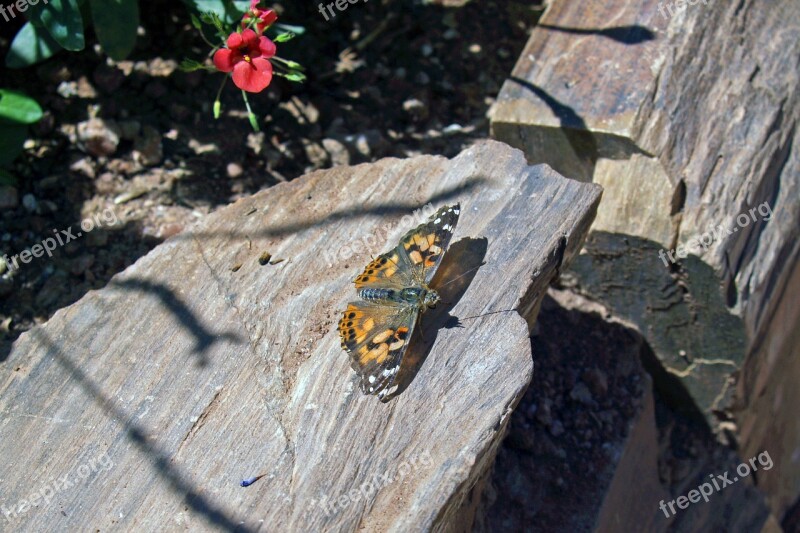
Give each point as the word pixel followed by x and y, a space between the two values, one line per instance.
pixel 134 142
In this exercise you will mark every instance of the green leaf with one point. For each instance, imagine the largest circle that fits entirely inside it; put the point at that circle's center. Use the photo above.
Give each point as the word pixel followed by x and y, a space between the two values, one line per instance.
pixel 283 37
pixel 217 108
pixel 299 30
pixel 190 65
pixel 115 23
pixel 30 46
pixel 62 19
pixel 12 138
pixel 213 19
pixel 196 22
pixel 19 108
pixel 229 11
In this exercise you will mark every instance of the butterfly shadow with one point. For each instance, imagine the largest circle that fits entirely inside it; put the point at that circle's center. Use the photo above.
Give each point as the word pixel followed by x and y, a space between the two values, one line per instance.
pixel 459 266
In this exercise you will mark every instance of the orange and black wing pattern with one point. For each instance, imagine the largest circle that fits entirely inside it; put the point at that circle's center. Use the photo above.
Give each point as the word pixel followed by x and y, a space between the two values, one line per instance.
pixel 376 337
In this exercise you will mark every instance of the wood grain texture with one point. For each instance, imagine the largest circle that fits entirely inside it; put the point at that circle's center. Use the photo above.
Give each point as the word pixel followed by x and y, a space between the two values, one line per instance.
pixel 198 367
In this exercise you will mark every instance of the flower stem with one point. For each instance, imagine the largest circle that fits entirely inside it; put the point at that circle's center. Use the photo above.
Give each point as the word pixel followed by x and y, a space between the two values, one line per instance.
pixel 250 115
pixel 217 104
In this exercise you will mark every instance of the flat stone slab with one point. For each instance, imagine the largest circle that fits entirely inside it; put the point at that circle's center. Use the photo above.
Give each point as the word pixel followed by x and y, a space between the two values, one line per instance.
pixel 216 357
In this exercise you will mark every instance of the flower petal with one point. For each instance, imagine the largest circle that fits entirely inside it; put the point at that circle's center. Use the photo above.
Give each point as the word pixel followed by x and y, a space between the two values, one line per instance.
pixel 267 47
pixel 267 17
pixel 234 40
pixel 250 40
pixel 253 76
pixel 225 59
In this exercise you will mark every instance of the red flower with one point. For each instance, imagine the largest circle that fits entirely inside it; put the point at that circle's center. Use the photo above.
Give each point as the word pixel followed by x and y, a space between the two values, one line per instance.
pixel 266 16
pixel 247 57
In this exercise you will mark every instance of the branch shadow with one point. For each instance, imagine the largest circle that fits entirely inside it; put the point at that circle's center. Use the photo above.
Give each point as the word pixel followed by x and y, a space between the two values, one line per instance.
pixel 631 34
pixel 379 210
pixel 204 338
pixel 160 459
pixel 459 267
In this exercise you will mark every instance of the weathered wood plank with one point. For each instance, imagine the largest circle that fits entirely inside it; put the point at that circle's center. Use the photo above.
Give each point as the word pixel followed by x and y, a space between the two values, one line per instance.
pixel 197 366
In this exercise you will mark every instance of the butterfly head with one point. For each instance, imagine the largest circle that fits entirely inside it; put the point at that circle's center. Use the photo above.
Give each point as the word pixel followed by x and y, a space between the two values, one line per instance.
pixel 430 299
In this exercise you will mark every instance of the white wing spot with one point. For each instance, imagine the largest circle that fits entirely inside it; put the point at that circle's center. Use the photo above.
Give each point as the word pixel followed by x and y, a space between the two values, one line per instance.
pixel 372 379
pixel 447 227
pixel 456 211
pixel 437 220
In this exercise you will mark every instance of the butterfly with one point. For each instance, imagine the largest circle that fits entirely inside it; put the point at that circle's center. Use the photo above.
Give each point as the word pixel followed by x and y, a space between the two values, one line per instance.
pixel 393 290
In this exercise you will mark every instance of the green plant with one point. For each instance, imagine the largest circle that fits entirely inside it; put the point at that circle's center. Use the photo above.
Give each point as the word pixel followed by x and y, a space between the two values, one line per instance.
pixel 59 25
pixel 17 112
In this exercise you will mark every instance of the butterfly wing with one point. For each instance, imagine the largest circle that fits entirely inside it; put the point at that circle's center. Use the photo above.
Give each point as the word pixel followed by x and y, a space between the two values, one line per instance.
pixel 426 244
pixel 415 259
pixel 392 270
pixel 376 337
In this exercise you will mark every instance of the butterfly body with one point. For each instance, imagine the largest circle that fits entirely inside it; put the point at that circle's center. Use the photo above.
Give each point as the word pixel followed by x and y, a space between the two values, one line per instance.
pixel 394 292
pixel 421 297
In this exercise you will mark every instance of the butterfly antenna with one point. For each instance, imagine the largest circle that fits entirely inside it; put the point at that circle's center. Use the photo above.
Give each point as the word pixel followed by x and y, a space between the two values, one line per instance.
pixel 486 314
pixel 461 276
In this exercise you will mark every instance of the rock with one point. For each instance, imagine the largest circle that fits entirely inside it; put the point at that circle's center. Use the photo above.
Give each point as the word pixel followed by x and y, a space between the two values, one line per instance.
pixel 369 144
pixel 97 237
pixel 255 142
pixel 147 148
pixel 9 198
pixel 51 290
pixel 337 152
pixel 29 203
pixel 234 170
pixel 6 285
pixel 53 72
pixel 129 129
pixel 580 393
pixel 596 380
pixel 155 89
pixel 416 108
pixel 179 112
pixel 85 89
pixel 84 165
pixel 202 149
pixel 81 264
pixel 67 89
pixel 107 78
pixel 713 317
pixel 173 359
pixel 98 137
pixel 315 153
